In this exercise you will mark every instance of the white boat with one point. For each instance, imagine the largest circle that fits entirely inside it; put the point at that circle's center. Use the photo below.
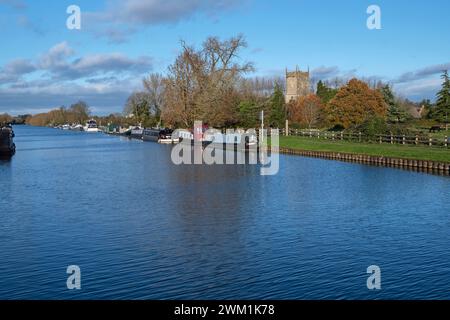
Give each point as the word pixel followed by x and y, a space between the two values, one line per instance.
pixel 77 127
pixel 231 141
pixel 91 126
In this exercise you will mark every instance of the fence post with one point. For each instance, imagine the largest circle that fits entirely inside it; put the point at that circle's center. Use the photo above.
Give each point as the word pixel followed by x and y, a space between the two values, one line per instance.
pixel 287 127
pixel 417 139
pixel 318 134
pixel 310 133
pixel 392 139
pixel 431 141
pixel 359 136
pixel 332 136
pixel 342 135
pixel 404 139
pixel 381 139
pixel 446 141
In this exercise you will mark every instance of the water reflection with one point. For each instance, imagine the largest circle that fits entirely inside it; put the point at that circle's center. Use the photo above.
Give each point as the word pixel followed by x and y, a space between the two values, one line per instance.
pixel 141 227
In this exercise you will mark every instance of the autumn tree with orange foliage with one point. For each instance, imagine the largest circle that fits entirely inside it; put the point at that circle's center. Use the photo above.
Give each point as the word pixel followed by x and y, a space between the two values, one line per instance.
pixel 354 103
pixel 306 110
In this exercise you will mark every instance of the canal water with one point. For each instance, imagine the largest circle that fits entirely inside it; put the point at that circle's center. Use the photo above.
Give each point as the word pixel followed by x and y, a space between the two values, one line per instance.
pixel 140 227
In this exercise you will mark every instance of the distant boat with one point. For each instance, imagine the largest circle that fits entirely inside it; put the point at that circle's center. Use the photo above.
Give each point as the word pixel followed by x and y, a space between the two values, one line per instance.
pixel 215 138
pixel 232 141
pixel 7 146
pixel 159 135
pixel 136 132
pixel 77 127
pixel 91 126
pixel 65 127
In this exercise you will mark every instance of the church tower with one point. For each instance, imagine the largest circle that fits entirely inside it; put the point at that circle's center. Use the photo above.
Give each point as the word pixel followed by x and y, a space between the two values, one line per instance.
pixel 297 84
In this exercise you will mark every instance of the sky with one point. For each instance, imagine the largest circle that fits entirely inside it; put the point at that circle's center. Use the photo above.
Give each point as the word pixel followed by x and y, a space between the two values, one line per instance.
pixel 44 65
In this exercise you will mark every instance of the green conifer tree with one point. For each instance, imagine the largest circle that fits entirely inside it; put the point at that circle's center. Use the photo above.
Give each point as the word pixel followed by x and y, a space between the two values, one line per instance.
pixel 277 110
pixel 442 110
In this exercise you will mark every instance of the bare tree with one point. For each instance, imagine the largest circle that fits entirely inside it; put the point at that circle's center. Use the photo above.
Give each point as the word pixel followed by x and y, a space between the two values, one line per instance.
pixel 306 110
pixel 155 85
pixel 80 111
pixel 259 87
pixel 201 84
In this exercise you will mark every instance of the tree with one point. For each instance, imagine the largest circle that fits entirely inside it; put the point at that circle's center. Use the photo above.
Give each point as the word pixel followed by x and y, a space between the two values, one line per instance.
pixel 138 107
pixel 442 110
pixel 373 126
pixel 5 118
pixel 324 92
pixel 80 112
pixel 201 84
pixel 354 103
pixel 426 108
pixel 276 107
pixel 154 85
pixel 306 110
pixel 395 113
pixel 248 114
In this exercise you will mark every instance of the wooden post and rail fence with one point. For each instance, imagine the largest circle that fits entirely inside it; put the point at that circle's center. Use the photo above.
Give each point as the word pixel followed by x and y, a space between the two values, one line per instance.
pixel 410 164
pixel 379 138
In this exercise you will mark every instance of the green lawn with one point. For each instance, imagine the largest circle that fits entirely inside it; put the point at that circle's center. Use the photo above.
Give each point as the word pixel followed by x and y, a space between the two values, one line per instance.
pixel 440 135
pixel 387 150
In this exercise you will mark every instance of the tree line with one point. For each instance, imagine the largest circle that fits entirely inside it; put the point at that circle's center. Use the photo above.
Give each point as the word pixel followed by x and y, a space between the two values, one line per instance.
pixel 359 105
pixel 77 113
pixel 211 83
pixel 18 120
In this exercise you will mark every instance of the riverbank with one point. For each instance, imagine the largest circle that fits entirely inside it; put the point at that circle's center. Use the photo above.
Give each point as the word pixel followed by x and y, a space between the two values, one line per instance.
pixel 409 157
pixel 369 149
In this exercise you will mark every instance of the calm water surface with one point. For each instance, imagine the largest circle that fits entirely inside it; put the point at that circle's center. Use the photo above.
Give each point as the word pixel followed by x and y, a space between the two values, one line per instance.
pixel 142 228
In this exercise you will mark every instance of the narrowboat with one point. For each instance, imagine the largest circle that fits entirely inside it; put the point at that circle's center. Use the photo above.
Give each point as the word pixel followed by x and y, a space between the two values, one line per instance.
pixel 159 135
pixel 7 146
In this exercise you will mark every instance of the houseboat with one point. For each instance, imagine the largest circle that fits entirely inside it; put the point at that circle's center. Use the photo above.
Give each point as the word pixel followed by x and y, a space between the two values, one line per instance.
pixel 7 146
pixel 136 132
pixel 159 135
pixel 233 141
pixel 239 140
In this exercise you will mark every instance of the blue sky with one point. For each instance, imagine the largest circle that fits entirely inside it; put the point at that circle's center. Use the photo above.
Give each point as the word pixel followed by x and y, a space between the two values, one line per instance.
pixel 44 65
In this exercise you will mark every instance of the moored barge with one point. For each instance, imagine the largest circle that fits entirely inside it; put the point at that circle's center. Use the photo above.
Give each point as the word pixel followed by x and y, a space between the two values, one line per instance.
pixel 159 135
pixel 7 146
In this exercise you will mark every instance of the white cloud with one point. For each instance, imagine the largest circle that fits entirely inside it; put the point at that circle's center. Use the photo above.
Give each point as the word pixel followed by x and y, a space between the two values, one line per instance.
pixel 56 56
pixel 60 77
pixel 59 62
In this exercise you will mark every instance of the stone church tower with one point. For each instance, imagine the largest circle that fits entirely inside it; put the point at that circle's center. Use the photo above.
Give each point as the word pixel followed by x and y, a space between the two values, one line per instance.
pixel 297 84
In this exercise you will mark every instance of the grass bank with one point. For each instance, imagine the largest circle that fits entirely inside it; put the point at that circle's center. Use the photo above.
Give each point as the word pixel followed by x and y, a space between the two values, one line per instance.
pixel 371 149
